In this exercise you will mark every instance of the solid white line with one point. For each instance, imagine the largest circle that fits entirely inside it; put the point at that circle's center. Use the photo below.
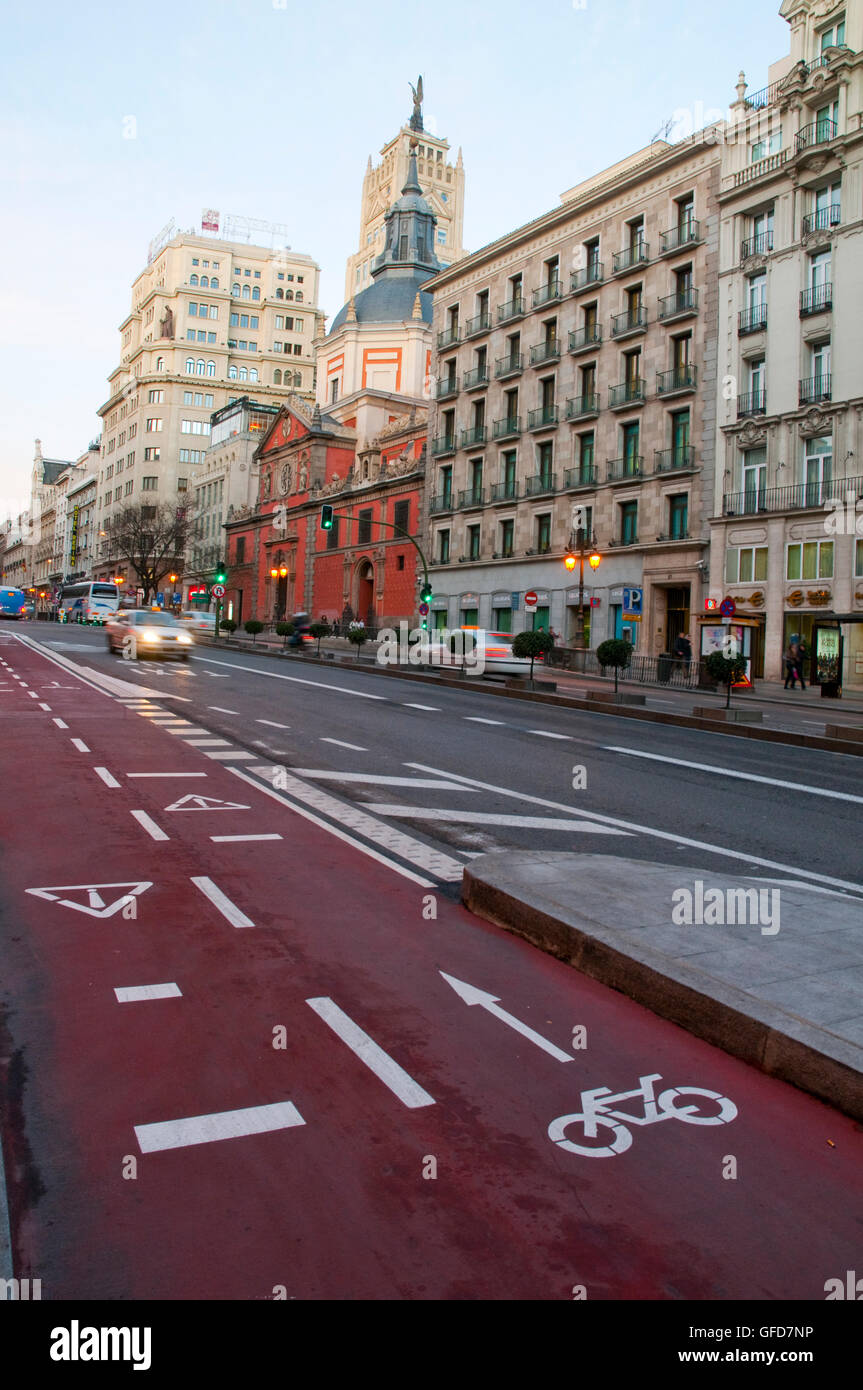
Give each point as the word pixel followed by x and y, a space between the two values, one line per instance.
pixel 272 723
pixel 133 994
pixel 378 779
pixel 340 743
pixel 742 776
pixel 231 839
pixel 106 776
pixel 635 827
pixel 475 719
pixel 541 733
pixel 219 710
pixel 432 709
pixel 80 745
pixel 489 818
pixel 47 707
pixel 205 1129
pixel 296 680
pixel 384 1067
pixel 340 834
pixel 152 829
pixel 228 909
pixel 167 774
pixel 235 753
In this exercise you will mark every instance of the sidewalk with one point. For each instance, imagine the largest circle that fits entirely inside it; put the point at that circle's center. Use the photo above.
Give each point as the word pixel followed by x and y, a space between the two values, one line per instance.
pixel 789 1001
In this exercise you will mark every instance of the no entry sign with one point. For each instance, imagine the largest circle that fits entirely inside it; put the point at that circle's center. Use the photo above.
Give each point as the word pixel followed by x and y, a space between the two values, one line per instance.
pixel 530 600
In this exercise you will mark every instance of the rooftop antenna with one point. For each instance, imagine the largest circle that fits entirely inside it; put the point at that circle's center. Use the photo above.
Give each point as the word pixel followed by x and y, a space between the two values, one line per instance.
pixel 664 131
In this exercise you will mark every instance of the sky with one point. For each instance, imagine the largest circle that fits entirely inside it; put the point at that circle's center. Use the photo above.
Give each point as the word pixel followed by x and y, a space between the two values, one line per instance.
pixel 115 119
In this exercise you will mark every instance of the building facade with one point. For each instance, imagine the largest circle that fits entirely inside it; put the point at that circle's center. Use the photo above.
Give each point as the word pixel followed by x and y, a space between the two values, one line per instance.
pixel 226 482
pixel 575 387
pixel 787 529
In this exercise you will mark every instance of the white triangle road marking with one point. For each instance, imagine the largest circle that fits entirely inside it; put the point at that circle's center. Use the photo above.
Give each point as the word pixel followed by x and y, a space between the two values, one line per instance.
pixel 96 905
pixel 195 802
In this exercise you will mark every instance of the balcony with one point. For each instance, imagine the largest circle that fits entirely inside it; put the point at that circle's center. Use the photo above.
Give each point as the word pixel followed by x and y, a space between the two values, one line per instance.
pixel 471 497
pixel 627 393
pixel 513 309
pixel 443 503
pixel 505 492
pixel 478 434
pixel 751 320
pixel 541 485
pixel 548 293
pixel 584 339
pixel 686 233
pixel 814 389
pixel 677 460
pixel 549 351
pixel 752 403
pixel 760 245
pixel 583 407
pixel 797 497
pixel 823 220
pixel 543 418
pixel 450 337
pixel 816 300
pixel 677 381
pixel 444 444
pixel 818 133
pixel 509 366
pixel 632 321
pixel 506 429
pixel 592 274
pixel 626 470
pixel 585 476
pixel 476 378
pixel 480 324
pixel 630 257
pixel 445 388
pixel 681 305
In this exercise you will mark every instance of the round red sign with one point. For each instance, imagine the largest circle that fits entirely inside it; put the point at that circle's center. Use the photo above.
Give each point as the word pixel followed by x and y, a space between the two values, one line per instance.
pixel 531 598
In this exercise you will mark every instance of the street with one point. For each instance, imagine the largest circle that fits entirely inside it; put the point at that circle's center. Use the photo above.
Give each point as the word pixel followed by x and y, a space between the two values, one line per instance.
pixel 243 1046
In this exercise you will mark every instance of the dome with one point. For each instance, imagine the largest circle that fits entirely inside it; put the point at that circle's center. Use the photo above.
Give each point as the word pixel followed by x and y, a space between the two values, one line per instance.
pixel 390 299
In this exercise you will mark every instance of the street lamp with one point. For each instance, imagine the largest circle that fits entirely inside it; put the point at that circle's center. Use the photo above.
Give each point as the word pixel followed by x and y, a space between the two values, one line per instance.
pixel 576 556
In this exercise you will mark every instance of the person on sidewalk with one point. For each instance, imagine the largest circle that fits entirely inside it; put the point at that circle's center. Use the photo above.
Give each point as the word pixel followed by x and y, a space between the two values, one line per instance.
pixel 792 653
pixel 683 651
pixel 802 658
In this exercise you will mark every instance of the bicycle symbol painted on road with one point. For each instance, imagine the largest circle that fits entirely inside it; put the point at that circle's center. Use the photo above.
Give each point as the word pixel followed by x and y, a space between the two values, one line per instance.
pixel 596 1115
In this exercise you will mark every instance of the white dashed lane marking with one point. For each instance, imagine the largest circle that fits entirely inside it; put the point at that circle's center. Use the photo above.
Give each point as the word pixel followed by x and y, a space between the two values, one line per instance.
pixel 106 776
pixel 222 902
pixel 153 830
pixel 80 745
pixel 340 743
pixel 272 723
pixel 220 710
pixel 133 994
pixel 206 1129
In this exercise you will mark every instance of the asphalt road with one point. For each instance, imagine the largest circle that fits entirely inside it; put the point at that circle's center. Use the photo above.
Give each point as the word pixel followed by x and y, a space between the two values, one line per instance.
pixel 239 1048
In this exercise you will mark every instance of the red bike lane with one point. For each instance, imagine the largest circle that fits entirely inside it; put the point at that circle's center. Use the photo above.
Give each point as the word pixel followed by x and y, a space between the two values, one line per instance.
pixel 422 1170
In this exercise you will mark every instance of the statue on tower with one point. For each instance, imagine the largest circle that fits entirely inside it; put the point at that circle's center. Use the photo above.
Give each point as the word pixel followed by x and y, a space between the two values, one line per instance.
pixel 417 117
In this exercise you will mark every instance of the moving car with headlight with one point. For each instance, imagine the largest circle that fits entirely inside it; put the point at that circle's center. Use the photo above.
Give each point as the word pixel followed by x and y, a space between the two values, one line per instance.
pixel 475 648
pixel 144 632
pixel 199 622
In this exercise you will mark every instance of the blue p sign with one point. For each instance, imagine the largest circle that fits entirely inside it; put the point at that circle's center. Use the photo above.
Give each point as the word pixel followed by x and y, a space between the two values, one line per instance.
pixel 632 601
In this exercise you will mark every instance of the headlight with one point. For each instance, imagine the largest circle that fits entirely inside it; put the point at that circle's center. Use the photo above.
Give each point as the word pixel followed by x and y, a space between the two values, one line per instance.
pixel 149 634
pixel 184 638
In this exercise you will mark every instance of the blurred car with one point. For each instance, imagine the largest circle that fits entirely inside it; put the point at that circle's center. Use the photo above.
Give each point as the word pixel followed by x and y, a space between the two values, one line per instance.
pixel 490 652
pixel 148 632
pixel 199 622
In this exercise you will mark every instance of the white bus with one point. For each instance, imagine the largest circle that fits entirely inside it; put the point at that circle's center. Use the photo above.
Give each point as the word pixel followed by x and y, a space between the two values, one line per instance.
pixel 88 602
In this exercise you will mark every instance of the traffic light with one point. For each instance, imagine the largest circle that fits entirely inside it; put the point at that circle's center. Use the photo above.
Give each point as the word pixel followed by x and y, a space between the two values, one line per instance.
pixel 426 592
pixel 221 575
pixel 326 517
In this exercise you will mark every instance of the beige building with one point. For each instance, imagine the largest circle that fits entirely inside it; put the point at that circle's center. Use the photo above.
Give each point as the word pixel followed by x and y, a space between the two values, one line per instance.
pixel 575 384
pixel 790 423
pixel 227 481
pixel 209 319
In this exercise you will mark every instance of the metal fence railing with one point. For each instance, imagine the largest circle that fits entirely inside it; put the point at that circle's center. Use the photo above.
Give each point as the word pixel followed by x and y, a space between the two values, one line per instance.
pixel 642 670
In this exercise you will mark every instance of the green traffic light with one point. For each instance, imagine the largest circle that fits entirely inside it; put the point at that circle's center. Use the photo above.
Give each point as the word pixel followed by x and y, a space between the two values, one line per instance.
pixel 426 593
pixel 326 517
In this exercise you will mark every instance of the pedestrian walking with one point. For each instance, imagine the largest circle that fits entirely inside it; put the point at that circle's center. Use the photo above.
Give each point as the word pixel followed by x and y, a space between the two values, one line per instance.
pixel 802 658
pixel 792 652
pixel 682 650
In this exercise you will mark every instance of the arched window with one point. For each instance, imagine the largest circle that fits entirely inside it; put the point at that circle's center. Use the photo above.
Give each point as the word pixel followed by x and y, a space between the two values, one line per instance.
pixel 211 369
pixel 289 294
pixel 280 294
pixel 205 282
pixel 244 374
pixel 193 279
pixel 277 377
pixel 298 378
pixel 232 373
pixel 201 367
pixel 256 293
pixel 190 366
pixel 235 289
pixel 246 292
pixel 253 374
pixel 299 296
pixel 160 364
pixel 214 282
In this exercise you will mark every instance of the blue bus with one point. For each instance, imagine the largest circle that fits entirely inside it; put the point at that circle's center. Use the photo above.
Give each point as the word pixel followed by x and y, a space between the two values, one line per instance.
pixel 13 603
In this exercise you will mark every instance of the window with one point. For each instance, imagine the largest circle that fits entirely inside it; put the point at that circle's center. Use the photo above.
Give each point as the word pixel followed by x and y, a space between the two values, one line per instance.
pixel 205 281
pixel 678 516
pixel 155 397
pixel 474 536
pixel 118 493
pixel 834 37
pixel 149 484
pixel 628 523
pixel 743 564
pixel 754 474
pixel 809 560
pixel 232 374
pixel 257 275
pixel 214 281
pixel 545 463
pixel 194 427
pixel 761 148
pixel 298 349
pixel 364 526
pixel 858 560
pixel 109 472
pixel 130 487
pixel 182 484
pixel 402 515
pixel 277 377
pixel 193 310
pixel 507 533
pixel 191 456
pixel 256 293
pixel 154 425
pixel 543 533
pixel 193 279
pixel 211 369
pixel 443 547
pixel 152 455
pixel 190 366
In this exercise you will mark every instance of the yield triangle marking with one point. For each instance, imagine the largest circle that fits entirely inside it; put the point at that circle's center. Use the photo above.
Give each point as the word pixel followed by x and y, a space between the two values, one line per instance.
pixel 96 905
pixel 194 802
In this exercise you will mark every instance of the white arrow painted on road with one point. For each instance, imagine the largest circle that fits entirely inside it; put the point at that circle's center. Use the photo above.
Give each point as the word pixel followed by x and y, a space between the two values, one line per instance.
pixel 471 995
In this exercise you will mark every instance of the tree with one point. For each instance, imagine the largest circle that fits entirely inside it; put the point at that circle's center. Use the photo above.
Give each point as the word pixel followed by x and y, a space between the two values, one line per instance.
pixel 532 644
pixel 358 634
pixel 253 626
pixel 319 630
pixel 227 625
pixel 616 653
pixel 150 539
pixel 725 669
pixel 284 630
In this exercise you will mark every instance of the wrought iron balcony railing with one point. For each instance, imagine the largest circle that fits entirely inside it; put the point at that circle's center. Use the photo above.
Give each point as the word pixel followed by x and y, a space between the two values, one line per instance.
pixel 674 460
pixel 636 254
pixel 677 305
pixel 512 309
pixel 796 497
pixel 443 444
pixel 685 233
pixel 507 428
pixel 621 469
pixel 627 393
pixel 547 293
pixel 547 351
pixel 471 497
pixel 577 407
pixel 752 320
pixel 505 492
pixel 509 366
pixel 818 133
pixel 822 219
pixel 683 378
pixel 542 417
pixel 477 434
pixel 814 388
pixel 449 337
pixel 591 274
pixel 581 339
pixel 632 321
pixel 583 476
pixel 760 245
pixel 541 484
pixel 448 386
pixel 480 324
pixel 478 376
pixel 752 403
pixel 816 300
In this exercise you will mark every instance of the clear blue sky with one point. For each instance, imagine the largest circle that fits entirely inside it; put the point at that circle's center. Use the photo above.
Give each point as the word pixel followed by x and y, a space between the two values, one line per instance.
pixel 269 108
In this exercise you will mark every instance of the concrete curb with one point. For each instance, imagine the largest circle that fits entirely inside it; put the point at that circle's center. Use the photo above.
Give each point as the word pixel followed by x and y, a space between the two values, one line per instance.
pixel 682 721
pixel 779 1043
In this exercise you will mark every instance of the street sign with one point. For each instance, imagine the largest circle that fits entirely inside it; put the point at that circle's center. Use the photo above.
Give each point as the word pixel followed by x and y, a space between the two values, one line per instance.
pixel 424 608
pixel 530 600
pixel 632 602
pixel 218 591
pixel 728 608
